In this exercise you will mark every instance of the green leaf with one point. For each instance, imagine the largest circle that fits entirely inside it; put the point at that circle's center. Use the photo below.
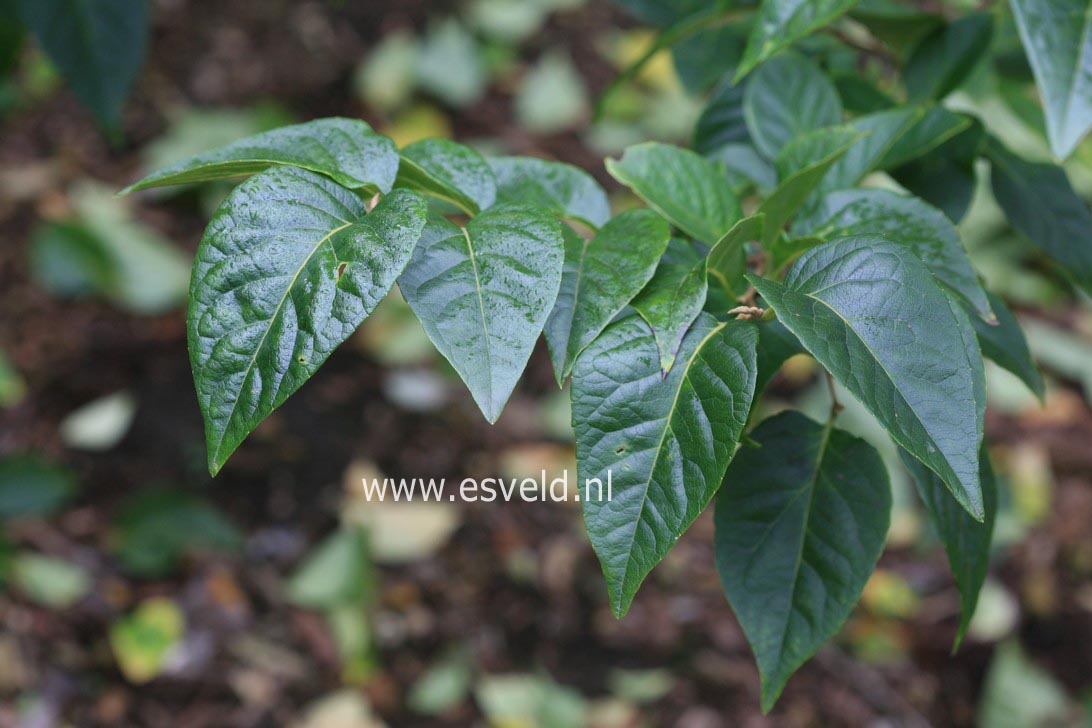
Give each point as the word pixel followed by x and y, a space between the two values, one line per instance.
pixel 29 486
pixel 702 59
pixel 673 298
pixel 787 97
pixel 484 292
pixel 98 45
pixel 338 572
pixel 727 261
pixel 1039 202
pixel 1005 344
pixel 143 641
pixel 658 445
pixel 600 278
pixel 908 221
pixel 871 313
pixel 936 127
pixel 158 528
pixel 288 268
pixel 745 167
pixel 776 345
pixel 966 540
pixel 721 121
pixel 562 188
pixel 880 133
pixel 898 24
pixel 945 176
pixel 944 58
pixel 1057 36
pixel 450 171
pixel 51 582
pixel 780 23
pixel 345 150
pixel 800 523
pixel 801 165
pixel 686 189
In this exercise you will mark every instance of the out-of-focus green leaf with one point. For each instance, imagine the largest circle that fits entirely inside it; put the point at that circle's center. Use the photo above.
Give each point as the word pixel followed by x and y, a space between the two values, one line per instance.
pixel 945 176
pixel 1040 202
pixel 443 686
pixel 727 261
pixel 100 424
pixel 787 97
pixel 156 529
pixel 945 57
pixel 450 64
pixel 49 581
pixel 1006 345
pixel 966 540
pixel 936 127
pixel 143 640
pixel 529 700
pixel 12 386
pixel 552 96
pixel 30 486
pixel 388 76
pixel 721 121
pixel 97 44
pixel 780 23
pixel 1018 693
pixel 338 572
pixel 1057 36
pixel 703 58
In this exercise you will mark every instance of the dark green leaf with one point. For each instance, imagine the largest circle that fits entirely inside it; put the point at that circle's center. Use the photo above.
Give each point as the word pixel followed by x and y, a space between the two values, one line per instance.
pixel 665 12
pixel 287 269
pixel 945 57
pixel 871 313
pixel 881 131
pixel 800 524
pixel 702 59
pixel 29 486
pixel 1005 344
pixel 12 31
pixel 450 171
pixel 908 221
pixel 859 96
pixel 945 176
pixel 745 167
pixel 157 528
pixel 801 165
pixel 932 130
pixel 966 540
pixel 780 23
pixel 673 298
pixel 721 121
pixel 898 24
pixel 1039 202
pixel 727 261
pixel 776 345
pixel 687 190
pixel 562 188
pixel 601 276
pixel 787 97
pixel 98 45
pixel 484 292
pixel 345 150
pixel 658 445
pixel 1057 35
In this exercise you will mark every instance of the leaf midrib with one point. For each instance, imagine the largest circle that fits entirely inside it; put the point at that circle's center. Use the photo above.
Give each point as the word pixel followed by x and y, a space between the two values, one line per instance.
pixel 276 312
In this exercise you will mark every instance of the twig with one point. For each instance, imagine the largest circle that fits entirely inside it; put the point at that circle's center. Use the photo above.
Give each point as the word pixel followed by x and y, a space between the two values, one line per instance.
pixel 835 405
pixel 746 313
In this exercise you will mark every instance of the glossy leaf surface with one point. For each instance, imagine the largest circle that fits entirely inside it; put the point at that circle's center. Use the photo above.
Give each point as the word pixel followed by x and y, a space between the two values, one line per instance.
pixel 287 269
pixel 663 442
pixel 800 523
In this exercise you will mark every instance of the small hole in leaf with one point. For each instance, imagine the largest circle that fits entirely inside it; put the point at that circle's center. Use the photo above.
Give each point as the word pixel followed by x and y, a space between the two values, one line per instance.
pixel 341 269
pixel 620 449
pixel 301 359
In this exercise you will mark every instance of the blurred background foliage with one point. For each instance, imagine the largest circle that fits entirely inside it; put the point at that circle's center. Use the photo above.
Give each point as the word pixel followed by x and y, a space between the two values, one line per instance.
pixel 135 591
